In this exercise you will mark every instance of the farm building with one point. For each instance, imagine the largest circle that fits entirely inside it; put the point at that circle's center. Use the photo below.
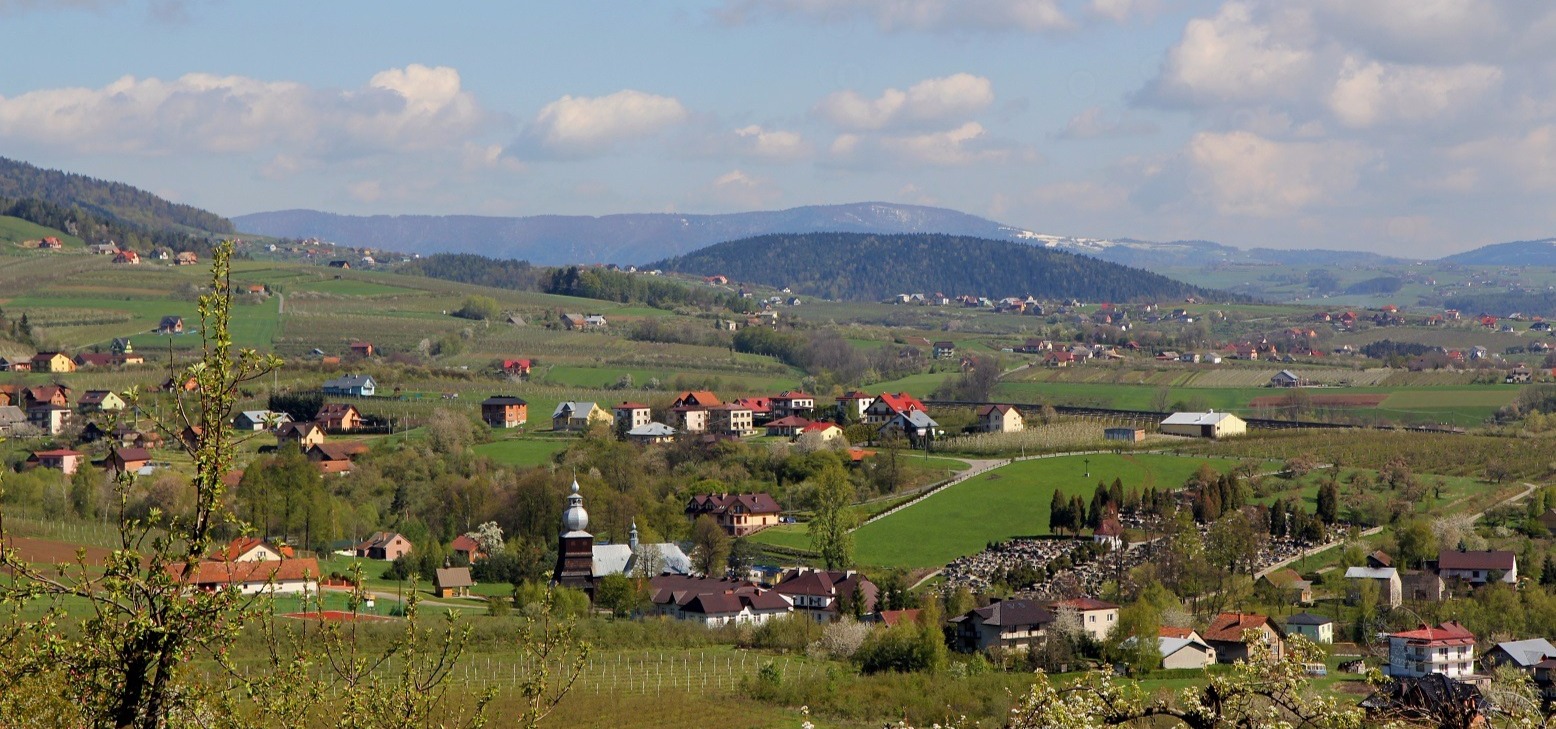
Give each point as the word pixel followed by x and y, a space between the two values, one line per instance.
pixel 1132 435
pixel 452 582
pixel 1204 425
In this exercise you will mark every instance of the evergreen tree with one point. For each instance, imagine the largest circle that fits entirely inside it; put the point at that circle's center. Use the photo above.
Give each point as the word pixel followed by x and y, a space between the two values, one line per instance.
pixel 1329 502
pixel 1058 518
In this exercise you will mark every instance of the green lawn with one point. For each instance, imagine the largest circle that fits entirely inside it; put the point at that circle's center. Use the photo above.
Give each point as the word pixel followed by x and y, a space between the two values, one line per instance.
pixel 16 230
pixel 352 287
pixel 523 451
pixel 1004 503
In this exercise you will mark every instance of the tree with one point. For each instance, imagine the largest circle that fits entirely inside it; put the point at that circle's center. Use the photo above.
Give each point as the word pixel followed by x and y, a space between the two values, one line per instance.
pixel 833 519
pixel 710 547
pixel 479 307
pixel 618 594
pixel 1417 543
pixel 1328 510
pixel 489 537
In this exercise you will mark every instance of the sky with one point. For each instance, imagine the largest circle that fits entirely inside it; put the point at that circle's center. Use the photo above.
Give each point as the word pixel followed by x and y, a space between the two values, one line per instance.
pixel 1406 127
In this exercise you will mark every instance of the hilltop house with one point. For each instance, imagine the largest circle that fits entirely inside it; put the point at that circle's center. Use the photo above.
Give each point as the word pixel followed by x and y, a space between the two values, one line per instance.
pixel 62 459
pixel 577 416
pixel 1006 624
pixel 171 324
pixel 95 401
pixel 56 362
pixel 915 425
pixel 888 406
pixel 305 435
pixel 1478 568
pixel 825 595
pixel 651 433
pixel 792 403
pixel 504 411
pixel 386 546
pixel 1225 634
pixel 629 415
pixel 256 420
pixel 1316 628
pixel 1000 419
pixel 1390 589
pixel 1448 649
pixel 339 416
pixel 351 386
pixel 738 514
pixel 1097 616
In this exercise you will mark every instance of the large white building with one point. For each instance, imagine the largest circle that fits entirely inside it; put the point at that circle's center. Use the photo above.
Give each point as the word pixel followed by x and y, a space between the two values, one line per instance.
pixel 1448 649
pixel 1203 425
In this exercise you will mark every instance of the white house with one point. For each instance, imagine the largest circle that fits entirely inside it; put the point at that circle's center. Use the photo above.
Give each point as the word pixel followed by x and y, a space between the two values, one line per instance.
pixel 1316 628
pixel 1478 568
pixel 1448 649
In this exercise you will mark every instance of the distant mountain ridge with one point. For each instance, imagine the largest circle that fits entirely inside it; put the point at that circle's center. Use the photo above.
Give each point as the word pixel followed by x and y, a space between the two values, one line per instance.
pixel 622 239
pixel 634 238
pixel 870 267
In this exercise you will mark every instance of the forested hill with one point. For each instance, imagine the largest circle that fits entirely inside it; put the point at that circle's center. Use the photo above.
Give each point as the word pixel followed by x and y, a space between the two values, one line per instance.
pixel 864 267
pixel 105 200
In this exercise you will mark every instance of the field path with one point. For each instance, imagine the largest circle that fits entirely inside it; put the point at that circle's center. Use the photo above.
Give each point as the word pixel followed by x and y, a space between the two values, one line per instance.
pixel 1528 489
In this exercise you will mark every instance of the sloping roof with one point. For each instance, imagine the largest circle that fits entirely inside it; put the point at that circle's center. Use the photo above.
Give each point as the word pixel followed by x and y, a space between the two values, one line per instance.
pixel 899 402
pixel 897 617
pixel 792 421
pixel 1168 646
pixel 619 559
pixel 379 539
pixel 1208 418
pixel 652 430
pixel 1000 408
pixel 334 451
pixel 349 382
pixel 758 503
pixel 464 543
pixel 1371 573
pixel 265 416
pixel 1168 631
pixel 504 400
pixel 1526 653
pixel 1288 579
pixel 1006 613
pixel 1229 627
pixel 1447 633
pixel 1083 604
pixel 793 395
pixel 453 577
pixel 573 409
pixel 132 454
pixel 1486 560
pixel 919 419
pixel 630 406
pixel 10 414
pixel 1308 619
pixel 256 571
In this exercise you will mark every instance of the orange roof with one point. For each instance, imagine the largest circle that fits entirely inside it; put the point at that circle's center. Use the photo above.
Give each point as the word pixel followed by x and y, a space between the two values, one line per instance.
pixel 1167 631
pixel 1229 627
pixel 209 574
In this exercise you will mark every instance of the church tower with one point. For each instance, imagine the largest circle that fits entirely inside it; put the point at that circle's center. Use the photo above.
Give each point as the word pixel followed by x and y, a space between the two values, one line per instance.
pixel 575 549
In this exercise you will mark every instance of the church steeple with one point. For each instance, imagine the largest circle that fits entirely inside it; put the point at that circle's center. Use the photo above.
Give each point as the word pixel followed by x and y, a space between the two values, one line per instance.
pixel 632 537
pixel 575 547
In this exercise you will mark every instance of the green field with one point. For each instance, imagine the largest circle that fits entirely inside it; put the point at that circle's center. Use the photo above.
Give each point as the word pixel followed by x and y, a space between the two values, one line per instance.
pixel 523 451
pixel 1004 503
pixel 16 230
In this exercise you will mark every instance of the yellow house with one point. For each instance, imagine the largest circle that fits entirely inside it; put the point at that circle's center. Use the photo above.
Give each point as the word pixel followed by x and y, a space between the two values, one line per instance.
pixel 53 362
pixel 1000 419
pixel 100 400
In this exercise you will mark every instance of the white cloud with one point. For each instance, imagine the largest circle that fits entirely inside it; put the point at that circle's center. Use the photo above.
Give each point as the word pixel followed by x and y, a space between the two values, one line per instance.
pixel 1120 11
pixel 770 144
pixel 1096 123
pixel 998 16
pixel 1240 173
pixel 582 125
pixel 934 99
pixel 1526 160
pixel 736 189
pixel 1369 93
pixel 410 109
pixel 1235 57
pixel 964 145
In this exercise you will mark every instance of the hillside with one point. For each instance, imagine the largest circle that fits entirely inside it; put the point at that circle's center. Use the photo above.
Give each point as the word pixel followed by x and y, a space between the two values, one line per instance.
pixel 104 199
pixel 863 267
pixel 1516 253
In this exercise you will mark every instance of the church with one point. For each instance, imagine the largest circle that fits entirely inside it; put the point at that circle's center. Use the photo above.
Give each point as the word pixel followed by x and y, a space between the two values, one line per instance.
pixel 580 562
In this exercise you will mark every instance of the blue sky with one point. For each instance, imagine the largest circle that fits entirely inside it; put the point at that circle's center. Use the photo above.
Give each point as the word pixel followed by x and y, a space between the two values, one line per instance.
pixel 1413 127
